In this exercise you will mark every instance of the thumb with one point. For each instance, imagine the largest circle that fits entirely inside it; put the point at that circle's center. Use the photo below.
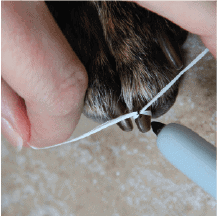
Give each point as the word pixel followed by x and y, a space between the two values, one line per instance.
pixel 40 67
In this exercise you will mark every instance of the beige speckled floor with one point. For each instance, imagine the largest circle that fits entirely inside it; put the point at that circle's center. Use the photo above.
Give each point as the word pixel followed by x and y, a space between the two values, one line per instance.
pixel 113 172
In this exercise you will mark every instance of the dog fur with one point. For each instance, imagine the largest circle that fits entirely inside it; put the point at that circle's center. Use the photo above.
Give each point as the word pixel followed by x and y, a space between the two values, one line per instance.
pixel 129 53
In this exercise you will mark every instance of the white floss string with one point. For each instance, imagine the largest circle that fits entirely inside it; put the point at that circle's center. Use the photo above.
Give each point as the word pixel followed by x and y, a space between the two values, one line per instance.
pixel 133 114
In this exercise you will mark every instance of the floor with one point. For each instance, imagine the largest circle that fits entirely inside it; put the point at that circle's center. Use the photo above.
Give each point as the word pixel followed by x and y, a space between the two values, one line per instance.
pixel 113 172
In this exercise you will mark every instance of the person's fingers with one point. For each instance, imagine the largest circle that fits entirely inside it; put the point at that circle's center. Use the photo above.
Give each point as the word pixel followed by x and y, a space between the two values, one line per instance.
pixel 38 64
pixel 196 17
pixel 210 43
pixel 14 121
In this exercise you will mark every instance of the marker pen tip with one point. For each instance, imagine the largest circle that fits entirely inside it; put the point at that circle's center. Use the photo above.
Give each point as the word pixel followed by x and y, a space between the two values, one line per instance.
pixel 157 127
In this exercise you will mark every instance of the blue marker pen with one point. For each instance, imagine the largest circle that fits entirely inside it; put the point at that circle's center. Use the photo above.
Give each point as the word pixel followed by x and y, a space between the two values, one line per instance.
pixel 189 153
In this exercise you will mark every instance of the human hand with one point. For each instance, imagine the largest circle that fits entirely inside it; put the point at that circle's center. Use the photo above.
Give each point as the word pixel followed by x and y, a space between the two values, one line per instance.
pixel 43 81
pixel 196 17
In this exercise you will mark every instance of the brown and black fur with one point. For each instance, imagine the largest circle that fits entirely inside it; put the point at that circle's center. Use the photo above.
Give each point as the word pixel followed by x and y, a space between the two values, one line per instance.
pixel 129 53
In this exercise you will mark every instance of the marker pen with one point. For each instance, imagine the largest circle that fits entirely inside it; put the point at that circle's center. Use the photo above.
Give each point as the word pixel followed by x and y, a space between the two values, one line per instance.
pixel 189 153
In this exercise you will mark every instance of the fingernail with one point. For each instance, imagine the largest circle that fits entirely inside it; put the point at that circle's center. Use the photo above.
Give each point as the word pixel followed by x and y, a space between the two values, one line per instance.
pixel 11 135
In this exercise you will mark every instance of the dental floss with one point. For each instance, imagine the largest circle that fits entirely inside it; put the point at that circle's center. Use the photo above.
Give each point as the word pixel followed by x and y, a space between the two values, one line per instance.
pixel 132 114
pixel 189 153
